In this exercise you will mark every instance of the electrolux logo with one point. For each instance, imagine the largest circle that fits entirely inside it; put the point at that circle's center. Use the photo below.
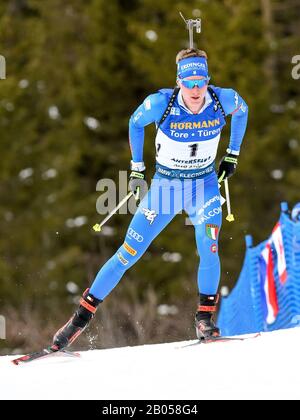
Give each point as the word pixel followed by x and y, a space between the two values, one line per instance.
pixel 2 328
pixel 2 67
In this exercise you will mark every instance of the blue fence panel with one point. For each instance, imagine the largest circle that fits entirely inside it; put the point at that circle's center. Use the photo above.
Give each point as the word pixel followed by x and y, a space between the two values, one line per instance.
pixel 242 311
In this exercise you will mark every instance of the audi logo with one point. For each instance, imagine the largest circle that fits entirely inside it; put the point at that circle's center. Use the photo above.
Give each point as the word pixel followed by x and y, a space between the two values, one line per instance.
pixel 133 234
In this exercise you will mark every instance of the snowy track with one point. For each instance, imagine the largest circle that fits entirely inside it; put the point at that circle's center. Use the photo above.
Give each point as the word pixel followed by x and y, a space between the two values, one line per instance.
pixel 267 367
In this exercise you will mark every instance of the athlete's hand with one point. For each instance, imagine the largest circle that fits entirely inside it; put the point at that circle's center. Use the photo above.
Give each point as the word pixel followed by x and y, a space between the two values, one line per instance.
pixel 137 184
pixel 227 167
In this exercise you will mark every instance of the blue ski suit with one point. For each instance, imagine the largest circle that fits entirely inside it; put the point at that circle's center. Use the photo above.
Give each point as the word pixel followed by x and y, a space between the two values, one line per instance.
pixel 185 180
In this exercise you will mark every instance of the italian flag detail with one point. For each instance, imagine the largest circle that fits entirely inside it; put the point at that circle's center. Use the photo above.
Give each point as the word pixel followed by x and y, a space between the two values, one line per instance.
pixel 212 231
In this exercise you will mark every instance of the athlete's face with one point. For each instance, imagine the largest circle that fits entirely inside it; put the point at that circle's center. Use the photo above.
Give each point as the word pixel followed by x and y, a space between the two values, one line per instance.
pixel 193 97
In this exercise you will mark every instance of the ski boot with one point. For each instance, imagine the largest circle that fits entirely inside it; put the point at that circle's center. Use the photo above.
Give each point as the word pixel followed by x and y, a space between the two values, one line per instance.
pixel 204 323
pixel 78 322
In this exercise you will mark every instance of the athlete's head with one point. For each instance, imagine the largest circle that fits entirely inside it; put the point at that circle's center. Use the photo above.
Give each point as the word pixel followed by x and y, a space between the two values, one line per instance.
pixel 192 76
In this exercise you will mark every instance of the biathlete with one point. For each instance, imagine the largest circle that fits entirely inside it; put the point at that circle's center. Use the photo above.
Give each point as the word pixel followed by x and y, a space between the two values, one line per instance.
pixel 189 121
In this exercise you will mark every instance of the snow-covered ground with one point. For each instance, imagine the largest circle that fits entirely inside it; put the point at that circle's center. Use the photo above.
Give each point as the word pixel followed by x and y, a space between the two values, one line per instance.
pixel 267 367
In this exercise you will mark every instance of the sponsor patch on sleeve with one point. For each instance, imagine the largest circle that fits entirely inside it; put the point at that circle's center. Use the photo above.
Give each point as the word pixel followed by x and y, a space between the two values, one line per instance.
pixel 214 248
pixel 122 259
pixel 129 249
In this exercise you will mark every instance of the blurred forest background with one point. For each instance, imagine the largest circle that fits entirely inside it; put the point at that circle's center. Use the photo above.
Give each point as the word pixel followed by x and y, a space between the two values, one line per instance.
pixel 76 70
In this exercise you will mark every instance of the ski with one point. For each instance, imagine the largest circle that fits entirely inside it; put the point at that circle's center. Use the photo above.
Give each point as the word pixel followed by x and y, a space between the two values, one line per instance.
pixel 225 339
pixel 222 339
pixel 47 352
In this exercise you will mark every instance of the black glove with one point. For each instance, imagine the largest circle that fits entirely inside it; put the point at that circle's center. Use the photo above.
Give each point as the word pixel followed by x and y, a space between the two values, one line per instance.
pixel 227 166
pixel 137 184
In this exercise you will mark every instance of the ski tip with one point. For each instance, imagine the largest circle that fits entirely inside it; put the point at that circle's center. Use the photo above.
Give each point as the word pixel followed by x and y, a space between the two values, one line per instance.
pixel 19 360
pixel 49 351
